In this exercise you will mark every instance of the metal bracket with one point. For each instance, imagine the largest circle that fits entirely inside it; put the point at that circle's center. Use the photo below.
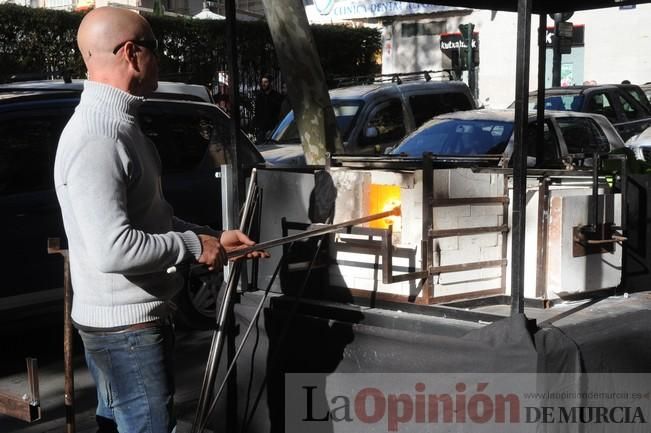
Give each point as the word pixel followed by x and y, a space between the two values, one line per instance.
pixel 54 247
pixel 599 241
pixel 28 407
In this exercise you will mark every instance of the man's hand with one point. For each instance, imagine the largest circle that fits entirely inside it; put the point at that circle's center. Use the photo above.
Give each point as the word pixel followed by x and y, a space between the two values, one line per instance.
pixel 213 253
pixel 214 250
pixel 232 240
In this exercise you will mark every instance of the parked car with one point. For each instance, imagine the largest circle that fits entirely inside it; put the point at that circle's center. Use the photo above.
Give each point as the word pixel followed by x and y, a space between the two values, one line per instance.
pixel 641 145
pixel 624 105
pixel 373 117
pixel 568 136
pixel 166 89
pixel 646 88
pixel 189 136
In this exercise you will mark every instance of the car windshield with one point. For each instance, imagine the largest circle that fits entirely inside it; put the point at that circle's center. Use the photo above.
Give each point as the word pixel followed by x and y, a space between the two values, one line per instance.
pixel 558 102
pixel 345 112
pixel 457 137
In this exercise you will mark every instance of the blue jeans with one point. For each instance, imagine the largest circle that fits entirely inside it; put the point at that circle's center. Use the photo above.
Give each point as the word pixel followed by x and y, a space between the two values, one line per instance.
pixel 133 373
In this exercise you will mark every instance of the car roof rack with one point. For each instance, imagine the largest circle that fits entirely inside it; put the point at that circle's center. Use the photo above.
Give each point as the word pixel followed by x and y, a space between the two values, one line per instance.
pixel 397 78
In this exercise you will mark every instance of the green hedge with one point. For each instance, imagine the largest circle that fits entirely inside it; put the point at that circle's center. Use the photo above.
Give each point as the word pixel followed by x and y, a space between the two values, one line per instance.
pixel 40 43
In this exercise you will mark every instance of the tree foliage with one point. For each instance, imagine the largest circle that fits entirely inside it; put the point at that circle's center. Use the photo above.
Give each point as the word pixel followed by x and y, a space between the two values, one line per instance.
pixel 40 43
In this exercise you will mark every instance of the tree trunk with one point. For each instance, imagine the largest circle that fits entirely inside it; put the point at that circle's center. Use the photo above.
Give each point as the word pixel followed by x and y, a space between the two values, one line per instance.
pixel 306 84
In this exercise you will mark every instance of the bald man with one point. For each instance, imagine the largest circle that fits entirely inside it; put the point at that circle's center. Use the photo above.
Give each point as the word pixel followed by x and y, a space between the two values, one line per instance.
pixel 121 232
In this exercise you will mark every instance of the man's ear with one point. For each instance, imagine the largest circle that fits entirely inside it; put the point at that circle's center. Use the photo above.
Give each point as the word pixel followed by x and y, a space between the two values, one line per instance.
pixel 130 55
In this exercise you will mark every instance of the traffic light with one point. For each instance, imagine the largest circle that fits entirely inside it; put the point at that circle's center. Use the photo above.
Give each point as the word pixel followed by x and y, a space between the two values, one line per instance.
pixel 463 58
pixel 466 31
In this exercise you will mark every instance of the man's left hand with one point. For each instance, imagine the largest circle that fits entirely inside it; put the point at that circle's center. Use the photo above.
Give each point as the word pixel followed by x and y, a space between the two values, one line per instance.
pixel 232 240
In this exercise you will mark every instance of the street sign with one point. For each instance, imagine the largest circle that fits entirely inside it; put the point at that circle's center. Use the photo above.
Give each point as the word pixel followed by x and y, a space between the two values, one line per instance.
pixel 565 45
pixel 565 29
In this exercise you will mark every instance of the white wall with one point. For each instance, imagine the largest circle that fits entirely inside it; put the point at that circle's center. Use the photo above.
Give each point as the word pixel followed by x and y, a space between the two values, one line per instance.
pixel 497 50
pixel 618 44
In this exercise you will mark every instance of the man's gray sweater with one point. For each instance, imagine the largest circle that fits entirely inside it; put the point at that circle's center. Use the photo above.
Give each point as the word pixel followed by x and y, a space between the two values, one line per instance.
pixel 122 235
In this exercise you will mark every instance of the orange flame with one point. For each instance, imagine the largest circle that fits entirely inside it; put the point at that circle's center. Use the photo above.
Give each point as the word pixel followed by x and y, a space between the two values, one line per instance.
pixel 383 198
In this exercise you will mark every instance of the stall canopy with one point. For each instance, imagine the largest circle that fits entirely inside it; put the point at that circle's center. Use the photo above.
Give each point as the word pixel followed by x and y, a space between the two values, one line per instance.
pixel 538 6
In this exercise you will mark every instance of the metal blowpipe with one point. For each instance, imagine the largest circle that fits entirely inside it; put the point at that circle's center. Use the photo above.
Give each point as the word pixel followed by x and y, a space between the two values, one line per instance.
pixel 330 228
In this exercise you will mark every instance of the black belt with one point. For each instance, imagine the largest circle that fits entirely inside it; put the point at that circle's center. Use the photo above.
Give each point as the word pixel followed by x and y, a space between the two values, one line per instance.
pixel 128 328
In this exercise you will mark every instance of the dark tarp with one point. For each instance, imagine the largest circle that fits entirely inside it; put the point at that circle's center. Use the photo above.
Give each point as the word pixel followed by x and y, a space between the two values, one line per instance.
pixel 330 338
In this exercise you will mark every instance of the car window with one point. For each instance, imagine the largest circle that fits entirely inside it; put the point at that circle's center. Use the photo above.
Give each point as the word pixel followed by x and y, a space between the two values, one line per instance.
pixel 600 103
pixel 549 144
pixel 557 102
pixel 185 134
pixel 639 96
pixel 345 114
pixel 457 137
pixel 582 135
pixel 424 107
pixel 386 124
pixel 181 138
pixel 27 150
pixel 564 103
pixel 632 111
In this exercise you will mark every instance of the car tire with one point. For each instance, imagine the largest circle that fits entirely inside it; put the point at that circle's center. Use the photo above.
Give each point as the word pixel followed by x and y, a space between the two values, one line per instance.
pixel 197 302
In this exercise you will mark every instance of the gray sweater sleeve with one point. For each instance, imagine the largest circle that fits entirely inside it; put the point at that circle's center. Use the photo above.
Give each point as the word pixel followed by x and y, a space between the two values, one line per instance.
pixel 97 180
pixel 183 226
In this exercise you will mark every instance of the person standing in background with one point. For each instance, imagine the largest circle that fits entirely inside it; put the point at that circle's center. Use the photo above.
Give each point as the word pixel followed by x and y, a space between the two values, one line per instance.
pixel 267 109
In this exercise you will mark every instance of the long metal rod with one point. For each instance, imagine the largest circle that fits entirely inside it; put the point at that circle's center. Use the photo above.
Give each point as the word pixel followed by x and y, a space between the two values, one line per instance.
pixel 217 343
pixel 68 348
pixel 543 237
pixel 520 163
pixel 315 232
pixel 595 193
pixel 427 242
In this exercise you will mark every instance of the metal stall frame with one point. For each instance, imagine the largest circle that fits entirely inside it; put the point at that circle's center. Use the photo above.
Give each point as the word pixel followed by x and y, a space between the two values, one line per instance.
pixel 588 236
pixel 524 9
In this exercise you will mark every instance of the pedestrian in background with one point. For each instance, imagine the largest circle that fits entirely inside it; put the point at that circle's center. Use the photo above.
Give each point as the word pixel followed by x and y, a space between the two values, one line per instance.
pixel 285 106
pixel 122 234
pixel 267 109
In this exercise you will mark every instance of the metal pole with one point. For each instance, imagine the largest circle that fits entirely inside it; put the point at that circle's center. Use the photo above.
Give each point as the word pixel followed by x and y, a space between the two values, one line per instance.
pixel 540 100
pixel 623 225
pixel 520 156
pixel 469 62
pixel 557 56
pixel 427 243
pixel 54 247
pixel 68 347
pixel 543 230
pixel 595 193
pixel 238 179
pixel 234 95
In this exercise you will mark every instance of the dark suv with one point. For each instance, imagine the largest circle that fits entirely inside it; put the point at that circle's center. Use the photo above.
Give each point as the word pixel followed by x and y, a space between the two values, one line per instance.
pixel 373 117
pixel 624 105
pixel 190 139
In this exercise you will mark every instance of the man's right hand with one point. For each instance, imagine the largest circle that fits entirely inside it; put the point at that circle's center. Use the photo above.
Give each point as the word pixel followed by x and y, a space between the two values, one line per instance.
pixel 213 253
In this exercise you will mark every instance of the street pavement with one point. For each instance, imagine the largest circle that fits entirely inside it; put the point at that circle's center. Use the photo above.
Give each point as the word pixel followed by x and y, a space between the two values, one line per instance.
pixel 46 344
